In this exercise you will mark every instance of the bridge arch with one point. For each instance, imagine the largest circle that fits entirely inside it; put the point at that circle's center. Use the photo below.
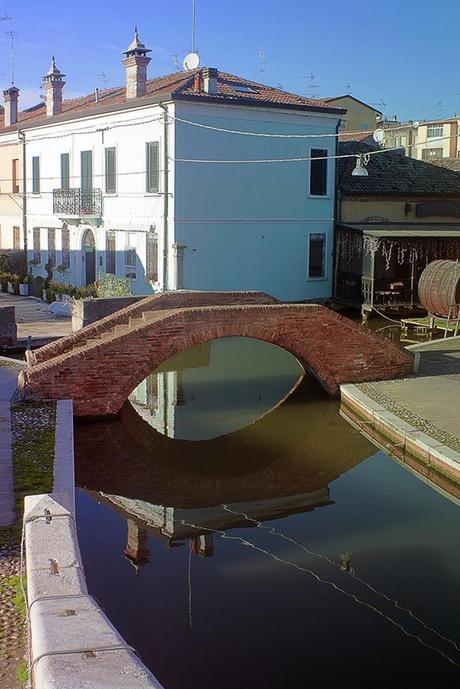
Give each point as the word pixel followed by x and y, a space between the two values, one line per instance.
pixel 102 371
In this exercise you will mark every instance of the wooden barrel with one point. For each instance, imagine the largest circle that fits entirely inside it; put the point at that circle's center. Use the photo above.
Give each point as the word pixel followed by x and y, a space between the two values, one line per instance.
pixel 439 288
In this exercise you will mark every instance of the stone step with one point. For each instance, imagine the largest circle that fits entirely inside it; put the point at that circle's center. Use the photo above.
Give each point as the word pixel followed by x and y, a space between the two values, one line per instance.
pixel 119 330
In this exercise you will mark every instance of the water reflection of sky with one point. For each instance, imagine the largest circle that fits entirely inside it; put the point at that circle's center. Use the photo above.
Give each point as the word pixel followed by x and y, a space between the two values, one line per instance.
pixel 259 608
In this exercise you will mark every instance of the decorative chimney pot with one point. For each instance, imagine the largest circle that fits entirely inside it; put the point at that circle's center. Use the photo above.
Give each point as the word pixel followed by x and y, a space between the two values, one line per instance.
pixel 53 84
pixel 11 97
pixel 136 62
pixel 210 80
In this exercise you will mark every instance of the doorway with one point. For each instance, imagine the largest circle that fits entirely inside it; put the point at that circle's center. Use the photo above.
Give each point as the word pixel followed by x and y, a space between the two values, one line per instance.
pixel 89 257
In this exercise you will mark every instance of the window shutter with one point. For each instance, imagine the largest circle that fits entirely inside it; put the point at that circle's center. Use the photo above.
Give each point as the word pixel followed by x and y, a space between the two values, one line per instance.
pixel 65 176
pixel 86 170
pixel 152 166
pixel 110 171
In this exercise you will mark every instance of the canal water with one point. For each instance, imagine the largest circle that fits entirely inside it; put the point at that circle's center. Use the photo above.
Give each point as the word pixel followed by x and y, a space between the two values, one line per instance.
pixel 239 536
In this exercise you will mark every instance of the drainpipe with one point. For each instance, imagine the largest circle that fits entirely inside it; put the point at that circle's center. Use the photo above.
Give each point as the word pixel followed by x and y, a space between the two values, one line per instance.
pixel 22 138
pixel 165 198
pixel 336 214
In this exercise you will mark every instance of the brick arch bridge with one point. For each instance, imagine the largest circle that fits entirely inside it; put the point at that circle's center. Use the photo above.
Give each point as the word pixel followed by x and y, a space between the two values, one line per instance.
pixel 99 366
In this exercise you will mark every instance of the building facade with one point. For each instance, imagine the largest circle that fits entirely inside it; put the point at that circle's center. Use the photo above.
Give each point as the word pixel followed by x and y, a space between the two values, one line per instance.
pixel 153 182
pixel 360 117
pixel 11 196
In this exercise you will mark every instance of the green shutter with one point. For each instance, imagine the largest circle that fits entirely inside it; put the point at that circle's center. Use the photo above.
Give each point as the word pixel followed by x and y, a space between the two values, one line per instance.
pixel 86 170
pixel 65 177
pixel 152 167
pixel 110 171
pixel 35 175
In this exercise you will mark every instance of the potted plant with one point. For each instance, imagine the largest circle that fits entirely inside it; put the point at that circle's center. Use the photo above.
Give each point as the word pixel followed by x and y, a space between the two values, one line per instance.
pixel 49 276
pixel 13 281
pixel 24 286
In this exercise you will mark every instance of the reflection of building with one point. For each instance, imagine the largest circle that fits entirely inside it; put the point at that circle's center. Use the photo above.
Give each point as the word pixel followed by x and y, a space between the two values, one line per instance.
pixel 393 222
pixel 136 550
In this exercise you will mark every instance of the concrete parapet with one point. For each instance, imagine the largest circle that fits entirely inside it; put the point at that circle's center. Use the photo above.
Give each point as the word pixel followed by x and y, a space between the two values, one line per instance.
pixel 72 643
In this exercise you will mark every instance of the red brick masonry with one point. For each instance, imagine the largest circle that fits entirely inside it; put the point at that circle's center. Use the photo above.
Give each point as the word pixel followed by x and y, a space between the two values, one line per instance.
pixel 99 366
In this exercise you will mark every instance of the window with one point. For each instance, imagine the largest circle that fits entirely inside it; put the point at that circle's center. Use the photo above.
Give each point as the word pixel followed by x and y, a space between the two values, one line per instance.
pixel 110 253
pixel 151 272
pixel 86 159
pixel 364 127
pixel 131 256
pixel 430 153
pixel 35 175
pixel 65 174
pixel 318 172
pixel 16 239
pixel 342 125
pixel 152 167
pixel 51 246
pixel 316 255
pixel 15 175
pixel 37 249
pixel 110 171
pixel 434 130
pixel 65 247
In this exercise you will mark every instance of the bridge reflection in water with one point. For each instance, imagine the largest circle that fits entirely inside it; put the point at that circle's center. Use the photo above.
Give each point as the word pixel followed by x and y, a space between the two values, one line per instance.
pixel 270 606
pixel 244 446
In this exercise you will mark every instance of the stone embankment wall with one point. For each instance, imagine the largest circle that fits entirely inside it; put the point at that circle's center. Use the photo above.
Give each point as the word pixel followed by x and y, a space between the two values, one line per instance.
pixel 8 327
pixel 100 374
pixel 72 643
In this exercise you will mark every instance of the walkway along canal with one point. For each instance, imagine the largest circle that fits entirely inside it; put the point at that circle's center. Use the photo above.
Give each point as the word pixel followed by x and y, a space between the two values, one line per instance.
pixel 263 544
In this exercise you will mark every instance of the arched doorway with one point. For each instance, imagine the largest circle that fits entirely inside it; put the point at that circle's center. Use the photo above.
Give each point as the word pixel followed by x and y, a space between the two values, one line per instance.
pixel 89 257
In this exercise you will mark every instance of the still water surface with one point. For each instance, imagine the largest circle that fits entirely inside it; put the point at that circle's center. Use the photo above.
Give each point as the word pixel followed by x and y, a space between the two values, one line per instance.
pixel 237 543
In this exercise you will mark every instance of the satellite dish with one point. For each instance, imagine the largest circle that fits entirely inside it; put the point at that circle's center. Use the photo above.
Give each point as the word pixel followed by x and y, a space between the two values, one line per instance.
pixel 191 61
pixel 379 136
pixel 416 124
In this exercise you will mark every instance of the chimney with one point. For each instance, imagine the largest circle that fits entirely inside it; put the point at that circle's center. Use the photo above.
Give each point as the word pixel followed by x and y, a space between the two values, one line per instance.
pixel 11 96
pixel 53 84
pixel 210 80
pixel 135 63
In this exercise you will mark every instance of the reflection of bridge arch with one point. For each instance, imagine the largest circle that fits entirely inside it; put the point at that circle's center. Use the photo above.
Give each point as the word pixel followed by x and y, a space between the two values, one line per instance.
pixel 100 374
pixel 298 448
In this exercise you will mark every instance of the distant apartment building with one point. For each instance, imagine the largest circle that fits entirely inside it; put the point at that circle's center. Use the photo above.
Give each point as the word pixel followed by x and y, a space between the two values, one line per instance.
pixel 11 168
pixel 360 116
pixel 430 140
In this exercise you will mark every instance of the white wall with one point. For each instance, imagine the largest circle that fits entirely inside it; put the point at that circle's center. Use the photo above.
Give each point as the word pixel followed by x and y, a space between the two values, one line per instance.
pixel 130 209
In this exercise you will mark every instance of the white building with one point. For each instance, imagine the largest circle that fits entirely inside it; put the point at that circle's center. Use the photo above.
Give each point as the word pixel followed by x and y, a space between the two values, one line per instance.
pixel 108 188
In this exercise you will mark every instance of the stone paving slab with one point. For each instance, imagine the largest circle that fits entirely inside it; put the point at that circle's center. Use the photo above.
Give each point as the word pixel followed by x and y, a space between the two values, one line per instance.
pixel 33 319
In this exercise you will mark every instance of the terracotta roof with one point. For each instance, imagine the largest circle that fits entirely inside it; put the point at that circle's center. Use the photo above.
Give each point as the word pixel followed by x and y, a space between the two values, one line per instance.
pixel 360 136
pixel 392 173
pixel 347 95
pixel 448 163
pixel 180 86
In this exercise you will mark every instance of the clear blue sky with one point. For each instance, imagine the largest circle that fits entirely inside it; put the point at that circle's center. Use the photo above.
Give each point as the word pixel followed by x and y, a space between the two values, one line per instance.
pixel 404 52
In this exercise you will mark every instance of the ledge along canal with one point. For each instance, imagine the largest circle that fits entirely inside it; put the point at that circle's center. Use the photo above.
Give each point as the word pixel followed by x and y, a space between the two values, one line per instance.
pixel 236 541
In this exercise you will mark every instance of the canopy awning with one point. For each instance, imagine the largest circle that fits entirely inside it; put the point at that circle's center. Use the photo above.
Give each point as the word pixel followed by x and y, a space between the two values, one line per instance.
pixel 391 230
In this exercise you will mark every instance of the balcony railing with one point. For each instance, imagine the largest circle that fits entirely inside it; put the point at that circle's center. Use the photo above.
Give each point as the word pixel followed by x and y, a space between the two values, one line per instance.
pixel 77 202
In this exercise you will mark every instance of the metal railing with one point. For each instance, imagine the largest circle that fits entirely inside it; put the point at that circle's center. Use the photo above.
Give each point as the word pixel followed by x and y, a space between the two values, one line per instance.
pixel 77 201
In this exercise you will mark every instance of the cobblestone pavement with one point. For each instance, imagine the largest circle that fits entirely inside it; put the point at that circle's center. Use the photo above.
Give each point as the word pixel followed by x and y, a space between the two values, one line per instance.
pixel 33 319
pixel 430 401
pixel 12 626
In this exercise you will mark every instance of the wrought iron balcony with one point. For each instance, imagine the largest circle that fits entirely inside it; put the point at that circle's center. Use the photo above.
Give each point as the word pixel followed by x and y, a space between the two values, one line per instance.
pixel 77 202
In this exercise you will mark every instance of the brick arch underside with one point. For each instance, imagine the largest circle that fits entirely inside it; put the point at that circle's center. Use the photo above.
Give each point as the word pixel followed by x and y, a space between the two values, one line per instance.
pixel 332 348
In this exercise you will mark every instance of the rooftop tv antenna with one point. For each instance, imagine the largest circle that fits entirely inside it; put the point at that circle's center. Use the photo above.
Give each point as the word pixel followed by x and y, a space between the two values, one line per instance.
pixel 192 60
pixel 175 61
pixel 6 18
pixel 103 77
pixel 261 56
pixel 313 87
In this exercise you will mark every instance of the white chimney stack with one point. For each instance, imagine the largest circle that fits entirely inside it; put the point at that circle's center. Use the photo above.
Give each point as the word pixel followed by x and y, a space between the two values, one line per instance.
pixel 11 97
pixel 135 63
pixel 210 80
pixel 53 83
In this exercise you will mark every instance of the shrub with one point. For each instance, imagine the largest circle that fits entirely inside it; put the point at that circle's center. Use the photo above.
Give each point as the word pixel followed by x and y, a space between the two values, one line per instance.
pixel 110 285
pixel 85 292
